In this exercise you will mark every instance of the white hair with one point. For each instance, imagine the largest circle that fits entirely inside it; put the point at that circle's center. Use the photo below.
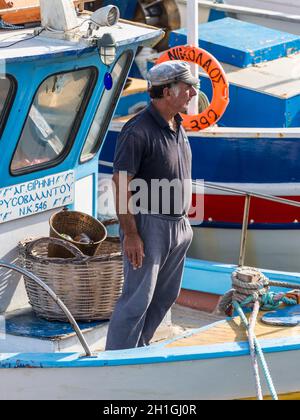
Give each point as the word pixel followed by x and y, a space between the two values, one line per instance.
pixel 176 90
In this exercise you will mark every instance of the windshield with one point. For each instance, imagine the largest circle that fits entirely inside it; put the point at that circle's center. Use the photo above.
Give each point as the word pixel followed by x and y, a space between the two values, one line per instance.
pixel 106 107
pixel 7 87
pixel 58 106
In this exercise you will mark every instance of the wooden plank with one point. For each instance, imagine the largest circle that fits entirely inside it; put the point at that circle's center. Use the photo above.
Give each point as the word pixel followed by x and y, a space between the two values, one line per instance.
pixel 28 14
pixel 16 4
pixel 5 4
pixel 232 332
pixel 24 15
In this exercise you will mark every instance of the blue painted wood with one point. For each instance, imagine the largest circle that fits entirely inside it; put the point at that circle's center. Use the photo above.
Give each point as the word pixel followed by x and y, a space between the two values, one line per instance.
pixel 239 43
pixel 215 278
pixel 135 71
pixel 49 65
pixel 237 159
pixel 24 96
pixel 27 324
pixel 276 158
pixel 250 108
pixel 288 316
pixel 216 15
pixel 143 355
pixel 127 8
pixel 292 111
pixel 108 151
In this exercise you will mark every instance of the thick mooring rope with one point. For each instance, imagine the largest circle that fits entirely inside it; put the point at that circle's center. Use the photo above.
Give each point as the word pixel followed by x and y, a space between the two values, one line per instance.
pixel 250 285
pixel 261 357
pixel 251 289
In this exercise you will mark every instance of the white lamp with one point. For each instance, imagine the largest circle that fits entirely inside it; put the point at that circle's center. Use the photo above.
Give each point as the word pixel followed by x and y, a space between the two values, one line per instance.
pixel 107 49
pixel 106 16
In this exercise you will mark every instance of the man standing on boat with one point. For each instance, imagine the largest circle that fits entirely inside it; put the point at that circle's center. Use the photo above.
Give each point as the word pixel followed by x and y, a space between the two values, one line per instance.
pixel 153 150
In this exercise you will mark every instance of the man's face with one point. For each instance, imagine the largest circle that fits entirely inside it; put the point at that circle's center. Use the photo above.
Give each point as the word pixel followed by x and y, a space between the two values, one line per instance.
pixel 180 96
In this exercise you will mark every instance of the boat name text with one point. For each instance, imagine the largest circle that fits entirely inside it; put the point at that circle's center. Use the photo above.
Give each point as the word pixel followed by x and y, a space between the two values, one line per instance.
pixel 36 196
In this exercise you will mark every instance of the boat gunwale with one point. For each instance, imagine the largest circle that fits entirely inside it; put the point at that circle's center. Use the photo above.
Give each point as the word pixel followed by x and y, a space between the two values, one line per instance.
pixel 154 354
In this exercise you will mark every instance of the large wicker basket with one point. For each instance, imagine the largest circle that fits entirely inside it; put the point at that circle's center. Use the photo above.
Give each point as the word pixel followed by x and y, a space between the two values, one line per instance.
pixel 88 286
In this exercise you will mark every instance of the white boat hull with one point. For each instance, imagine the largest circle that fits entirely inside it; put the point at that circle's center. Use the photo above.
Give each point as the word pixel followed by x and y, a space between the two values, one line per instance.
pixel 272 249
pixel 216 378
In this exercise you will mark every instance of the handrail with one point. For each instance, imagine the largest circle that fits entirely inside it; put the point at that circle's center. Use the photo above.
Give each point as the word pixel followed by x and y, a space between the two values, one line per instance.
pixel 244 230
pixel 248 195
pixel 55 298
pixel 250 11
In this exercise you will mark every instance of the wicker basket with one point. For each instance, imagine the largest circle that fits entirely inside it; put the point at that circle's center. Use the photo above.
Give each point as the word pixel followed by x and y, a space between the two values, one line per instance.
pixel 88 286
pixel 74 223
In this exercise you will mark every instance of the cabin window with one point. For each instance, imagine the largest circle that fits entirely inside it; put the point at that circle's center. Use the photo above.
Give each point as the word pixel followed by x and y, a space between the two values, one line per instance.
pixel 53 120
pixel 106 107
pixel 7 90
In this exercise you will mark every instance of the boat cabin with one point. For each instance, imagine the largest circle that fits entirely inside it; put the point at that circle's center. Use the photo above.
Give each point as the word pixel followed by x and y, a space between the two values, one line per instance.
pixel 59 88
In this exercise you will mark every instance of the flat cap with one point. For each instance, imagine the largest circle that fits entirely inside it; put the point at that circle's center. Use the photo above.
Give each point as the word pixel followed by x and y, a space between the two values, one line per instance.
pixel 170 72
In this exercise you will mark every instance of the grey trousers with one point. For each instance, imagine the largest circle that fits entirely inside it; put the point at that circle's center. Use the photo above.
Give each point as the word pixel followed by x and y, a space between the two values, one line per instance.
pixel 149 292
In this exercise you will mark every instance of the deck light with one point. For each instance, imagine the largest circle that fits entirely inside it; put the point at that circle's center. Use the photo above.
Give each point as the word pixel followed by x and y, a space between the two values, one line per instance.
pixel 107 49
pixel 106 16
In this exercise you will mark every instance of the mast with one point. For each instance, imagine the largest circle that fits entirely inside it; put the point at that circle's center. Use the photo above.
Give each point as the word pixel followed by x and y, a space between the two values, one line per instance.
pixel 193 39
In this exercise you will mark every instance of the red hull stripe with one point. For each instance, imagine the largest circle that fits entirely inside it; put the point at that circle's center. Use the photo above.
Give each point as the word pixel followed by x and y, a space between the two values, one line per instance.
pixel 229 209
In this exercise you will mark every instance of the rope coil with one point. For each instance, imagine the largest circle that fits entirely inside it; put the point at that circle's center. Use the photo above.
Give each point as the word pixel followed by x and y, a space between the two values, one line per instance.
pixel 251 289
pixel 249 285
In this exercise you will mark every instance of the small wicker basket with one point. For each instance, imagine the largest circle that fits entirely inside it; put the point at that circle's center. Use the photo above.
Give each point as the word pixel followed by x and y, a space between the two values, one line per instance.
pixel 88 286
pixel 73 223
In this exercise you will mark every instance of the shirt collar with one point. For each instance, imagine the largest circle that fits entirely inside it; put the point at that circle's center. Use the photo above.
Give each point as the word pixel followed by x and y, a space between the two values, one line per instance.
pixel 160 120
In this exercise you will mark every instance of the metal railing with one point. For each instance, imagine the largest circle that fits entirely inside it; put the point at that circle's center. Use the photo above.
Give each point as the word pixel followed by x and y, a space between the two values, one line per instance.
pixel 56 299
pixel 248 195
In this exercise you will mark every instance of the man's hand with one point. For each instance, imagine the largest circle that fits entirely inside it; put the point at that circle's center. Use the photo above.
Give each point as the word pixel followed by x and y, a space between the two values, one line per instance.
pixel 133 245
pixel 134 249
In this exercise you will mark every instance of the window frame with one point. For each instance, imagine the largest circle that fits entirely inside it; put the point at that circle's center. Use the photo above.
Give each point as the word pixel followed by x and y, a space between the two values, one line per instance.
pixel 8 102
pixel 112 108
pixel 74 129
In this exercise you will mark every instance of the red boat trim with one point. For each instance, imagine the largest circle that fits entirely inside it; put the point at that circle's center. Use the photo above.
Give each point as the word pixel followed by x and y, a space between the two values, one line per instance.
pixel 198 300
pixel 230 208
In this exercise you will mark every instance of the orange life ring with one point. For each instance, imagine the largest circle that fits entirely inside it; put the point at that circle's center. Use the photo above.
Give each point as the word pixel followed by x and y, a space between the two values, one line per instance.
pixel 218 78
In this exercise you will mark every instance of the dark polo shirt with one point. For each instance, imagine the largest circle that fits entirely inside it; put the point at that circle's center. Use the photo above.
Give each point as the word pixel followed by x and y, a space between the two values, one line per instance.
pixel 148 149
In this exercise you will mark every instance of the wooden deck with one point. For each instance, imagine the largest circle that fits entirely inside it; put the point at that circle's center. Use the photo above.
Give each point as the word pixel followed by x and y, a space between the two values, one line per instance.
pixel 184 319
pixel 135 86
pixel 232 331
